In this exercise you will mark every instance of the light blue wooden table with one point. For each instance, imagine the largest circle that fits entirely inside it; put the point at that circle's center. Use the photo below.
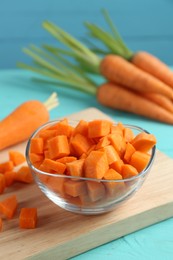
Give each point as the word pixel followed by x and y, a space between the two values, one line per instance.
pixel 154 242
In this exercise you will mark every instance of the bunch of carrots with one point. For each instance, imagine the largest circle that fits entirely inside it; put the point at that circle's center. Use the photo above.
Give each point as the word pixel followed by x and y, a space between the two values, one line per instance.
pixel 133 82
pixel 12 171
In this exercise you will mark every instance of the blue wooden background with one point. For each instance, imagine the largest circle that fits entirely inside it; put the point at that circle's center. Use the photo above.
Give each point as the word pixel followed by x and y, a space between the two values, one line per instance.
pixel 144 24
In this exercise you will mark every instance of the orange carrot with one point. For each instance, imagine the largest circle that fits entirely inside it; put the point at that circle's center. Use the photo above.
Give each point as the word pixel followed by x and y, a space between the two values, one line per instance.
pixel 6 166
pixel 16 157
pixel 128 134
pixel 80 144
pixel 144 142
pixel 63 128
pixel 113 188
pixel 24 175
pixel 111 153
pixel 28 218
pixel 117 165
pixel 96 164
pixel 2 183
pixel 74 188
pixel 54 183
pixel 21 123
pixel 58 167
pixel 75 168
pixel 96 190
pixel 118 143
pixel 128 152
pixel 8 206
pixel 139 160
pixel 66 159
pixel 99 128
pixel 58 146
pixel 102 142
pixel 128 171
pixel 118 70
pixel 37 145
pixel 9 178
pixel 81 128
pixel 154 66
pixel 120 98
pixel 34 158
pixel 160 100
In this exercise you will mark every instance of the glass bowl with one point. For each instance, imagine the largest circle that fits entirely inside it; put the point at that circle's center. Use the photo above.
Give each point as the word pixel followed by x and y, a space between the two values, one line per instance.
pixel 91 196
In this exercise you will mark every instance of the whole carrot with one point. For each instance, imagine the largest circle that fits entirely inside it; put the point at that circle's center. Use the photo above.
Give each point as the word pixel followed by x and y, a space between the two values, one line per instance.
pixel 154 66
pixel 115 96
pixel 116 69
pixel 21 123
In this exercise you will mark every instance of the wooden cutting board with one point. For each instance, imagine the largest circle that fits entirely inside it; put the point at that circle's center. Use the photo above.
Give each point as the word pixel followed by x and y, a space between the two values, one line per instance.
pixel 61 234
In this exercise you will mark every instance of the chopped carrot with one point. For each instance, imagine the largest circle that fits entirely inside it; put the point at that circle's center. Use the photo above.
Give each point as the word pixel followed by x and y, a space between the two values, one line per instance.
pixel 63 128
pixel 9 178
pixel 99 128
pixel 113 188
pixel 117 165
pixel 58 147
pixel 37 145
pixel 46 134
pixel 2 183
pixel 118 143
pixel 28 218
pixel 140 160
pixel 128 152
pixel 24 175
pixel 128 171
pixel 8 206
pixel 1 224
pixel 66 159
pixel 74 188
pixel 144 142
pixel 75 168
pixel 83 156
pixel 104 141
pixel 58 167
pixel 116 129
pixel 6 166
pixel 81 128
pixel 80 144
pixel 96 164
pixel 56 184
pixel 111 153
pixel 34 157
pixel 128 134
pixel 96 190
pixel 16 157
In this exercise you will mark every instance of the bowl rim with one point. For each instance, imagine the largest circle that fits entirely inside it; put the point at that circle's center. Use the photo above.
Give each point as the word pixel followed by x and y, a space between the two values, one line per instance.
pixel 52 122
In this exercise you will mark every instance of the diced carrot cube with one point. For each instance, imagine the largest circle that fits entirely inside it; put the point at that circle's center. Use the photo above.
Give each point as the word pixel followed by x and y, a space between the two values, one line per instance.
pixel 75 168
pixel 139 160
pixel 54 165
pixel 96 164
pixel 58 147
pixel 81 128
pixel 102 143
pixel 113 188
pixel 28 218
pixel 56 184
pixel 36 157
pixel 117 165
pixel 80 144
pixel 128 152
pixel 118 143
pixel 99 128
pixel 2 183
pixel 8 206
pixel 16 157
pixel 24 175
pixel 111 153
pixel 9 178
pixel 67 159
pixel 6 166
pixel 144 142
pixel 128 171
pixel 128 134
pixel 47 134
pixel 74 188
pixel 96 190
pixel 37 145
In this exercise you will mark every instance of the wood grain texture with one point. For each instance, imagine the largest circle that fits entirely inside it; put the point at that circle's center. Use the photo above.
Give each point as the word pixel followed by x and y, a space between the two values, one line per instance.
pixel 61 234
